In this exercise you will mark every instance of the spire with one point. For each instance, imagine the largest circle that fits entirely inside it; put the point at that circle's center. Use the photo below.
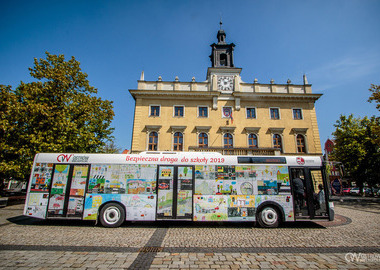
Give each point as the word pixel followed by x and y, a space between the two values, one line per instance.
pixel 305 79
pixel 221 34
pixel 222 53
pixel 142 76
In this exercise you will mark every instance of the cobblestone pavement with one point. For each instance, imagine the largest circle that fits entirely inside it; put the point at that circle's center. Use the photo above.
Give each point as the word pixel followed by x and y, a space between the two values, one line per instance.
pixel 351 242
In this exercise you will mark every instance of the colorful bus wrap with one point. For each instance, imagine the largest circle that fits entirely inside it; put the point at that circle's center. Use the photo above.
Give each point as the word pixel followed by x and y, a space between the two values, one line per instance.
pixel 192 186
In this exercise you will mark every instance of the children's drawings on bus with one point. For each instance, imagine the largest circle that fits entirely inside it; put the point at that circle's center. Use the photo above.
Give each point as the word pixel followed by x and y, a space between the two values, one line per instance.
pixel 184 203
pixel 148 172
pixel 205 187
pixel 225 173
pixel 164 184
pixel 267 187
pixel 61 174
pixel 78 182
pixel 92 203
pixel 241 207
pixel 56 204
pixel 241 201
pixel 166 172
pixel 185 172
pixel 186 184
pixel 140 207
pixel 219 187
pixel 224 187
pixel 75 207
pixel 278 173
pixel 246 180
pixel 137 206
pixel 283 175
pixel 245 172
pixel 241 213
pixel 285 201
pixel 140 186
pixel 246 188
pixel 165 203
pixel 37 204
pixel 205 172
pixel 236 207
pixel 97 179
pixel 122 179
pixel 41 179
pixel 210 208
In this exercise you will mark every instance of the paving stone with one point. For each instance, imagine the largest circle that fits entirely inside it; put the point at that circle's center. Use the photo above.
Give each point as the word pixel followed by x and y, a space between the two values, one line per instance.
pixel 191 247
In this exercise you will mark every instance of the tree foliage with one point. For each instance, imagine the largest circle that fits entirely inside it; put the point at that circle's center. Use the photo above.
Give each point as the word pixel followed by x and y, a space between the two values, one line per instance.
pixel 357 144
pixel 375 89
pixel 111 148
pixel 58 112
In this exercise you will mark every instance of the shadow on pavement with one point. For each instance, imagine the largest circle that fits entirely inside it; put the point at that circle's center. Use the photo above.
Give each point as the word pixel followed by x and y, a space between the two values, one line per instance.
pixel 23 220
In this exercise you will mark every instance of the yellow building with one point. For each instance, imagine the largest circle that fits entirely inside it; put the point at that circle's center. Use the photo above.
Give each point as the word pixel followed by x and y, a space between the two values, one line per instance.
pixel 224 113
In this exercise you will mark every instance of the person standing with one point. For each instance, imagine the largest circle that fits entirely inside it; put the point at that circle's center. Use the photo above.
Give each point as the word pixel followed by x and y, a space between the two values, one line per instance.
pixel 299 190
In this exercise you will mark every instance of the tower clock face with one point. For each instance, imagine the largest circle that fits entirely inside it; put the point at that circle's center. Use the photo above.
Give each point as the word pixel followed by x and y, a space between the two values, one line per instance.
pixel 225 83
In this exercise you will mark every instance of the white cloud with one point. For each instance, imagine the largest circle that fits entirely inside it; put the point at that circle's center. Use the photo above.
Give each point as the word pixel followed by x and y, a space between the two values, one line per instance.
pixel 345 70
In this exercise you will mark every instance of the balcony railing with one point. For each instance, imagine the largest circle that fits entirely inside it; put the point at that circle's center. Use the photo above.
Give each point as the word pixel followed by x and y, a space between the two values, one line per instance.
pixel 238 151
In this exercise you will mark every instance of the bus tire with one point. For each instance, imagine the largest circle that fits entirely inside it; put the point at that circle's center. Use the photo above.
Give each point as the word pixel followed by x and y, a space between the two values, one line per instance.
pixel 112 215
pixel 269 217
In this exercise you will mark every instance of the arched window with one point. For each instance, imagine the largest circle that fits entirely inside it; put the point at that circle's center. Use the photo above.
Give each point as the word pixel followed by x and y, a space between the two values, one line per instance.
pixel 178 141
pixel 301 146
pixel 223 59
pixel 252 141
pixel 228 140
pixel 277 142
pixel 153 141
pixel 203 140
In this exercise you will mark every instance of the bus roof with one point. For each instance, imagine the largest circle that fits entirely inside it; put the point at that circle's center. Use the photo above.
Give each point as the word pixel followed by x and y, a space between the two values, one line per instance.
pixel 176 158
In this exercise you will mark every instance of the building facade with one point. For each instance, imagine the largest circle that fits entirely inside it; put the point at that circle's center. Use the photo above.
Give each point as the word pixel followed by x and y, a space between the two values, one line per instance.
pixel 224 113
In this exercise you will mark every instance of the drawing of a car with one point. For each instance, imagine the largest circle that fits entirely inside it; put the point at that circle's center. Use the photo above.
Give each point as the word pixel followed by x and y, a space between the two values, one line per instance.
pixel 163 186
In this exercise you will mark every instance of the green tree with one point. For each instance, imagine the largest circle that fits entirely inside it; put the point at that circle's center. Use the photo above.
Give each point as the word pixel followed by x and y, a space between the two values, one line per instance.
pixel 58 112
pixel 375 89
pixel 10 149
pixel 111 148
pixel 356 148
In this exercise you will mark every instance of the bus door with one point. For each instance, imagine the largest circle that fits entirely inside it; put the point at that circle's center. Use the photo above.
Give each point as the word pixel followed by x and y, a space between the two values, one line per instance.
pixel 67 191
pixel 319 189
pixel 308 190
pixel 175 192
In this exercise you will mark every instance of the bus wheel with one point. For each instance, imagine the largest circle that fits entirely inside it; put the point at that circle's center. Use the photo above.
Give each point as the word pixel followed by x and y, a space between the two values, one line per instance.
pixel 269 217
pixel 112 215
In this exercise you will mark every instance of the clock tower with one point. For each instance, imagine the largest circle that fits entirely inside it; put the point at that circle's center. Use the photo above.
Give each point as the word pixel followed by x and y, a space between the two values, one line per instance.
pixel 223 113
pixel 222 53
pixel 222 70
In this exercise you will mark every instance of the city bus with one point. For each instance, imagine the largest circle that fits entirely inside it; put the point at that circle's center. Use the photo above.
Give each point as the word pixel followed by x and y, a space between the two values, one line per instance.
pixel 189 186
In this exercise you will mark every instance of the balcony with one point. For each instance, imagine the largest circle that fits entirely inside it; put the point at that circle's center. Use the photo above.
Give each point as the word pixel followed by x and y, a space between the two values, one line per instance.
pixel 238 151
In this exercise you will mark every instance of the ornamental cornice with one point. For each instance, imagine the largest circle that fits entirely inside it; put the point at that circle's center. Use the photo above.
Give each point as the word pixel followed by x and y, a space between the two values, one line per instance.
pixel 276 96
pixel 182 94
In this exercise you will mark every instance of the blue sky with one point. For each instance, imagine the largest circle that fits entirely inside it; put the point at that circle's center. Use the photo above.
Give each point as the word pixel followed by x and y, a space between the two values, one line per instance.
pixel 335 43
